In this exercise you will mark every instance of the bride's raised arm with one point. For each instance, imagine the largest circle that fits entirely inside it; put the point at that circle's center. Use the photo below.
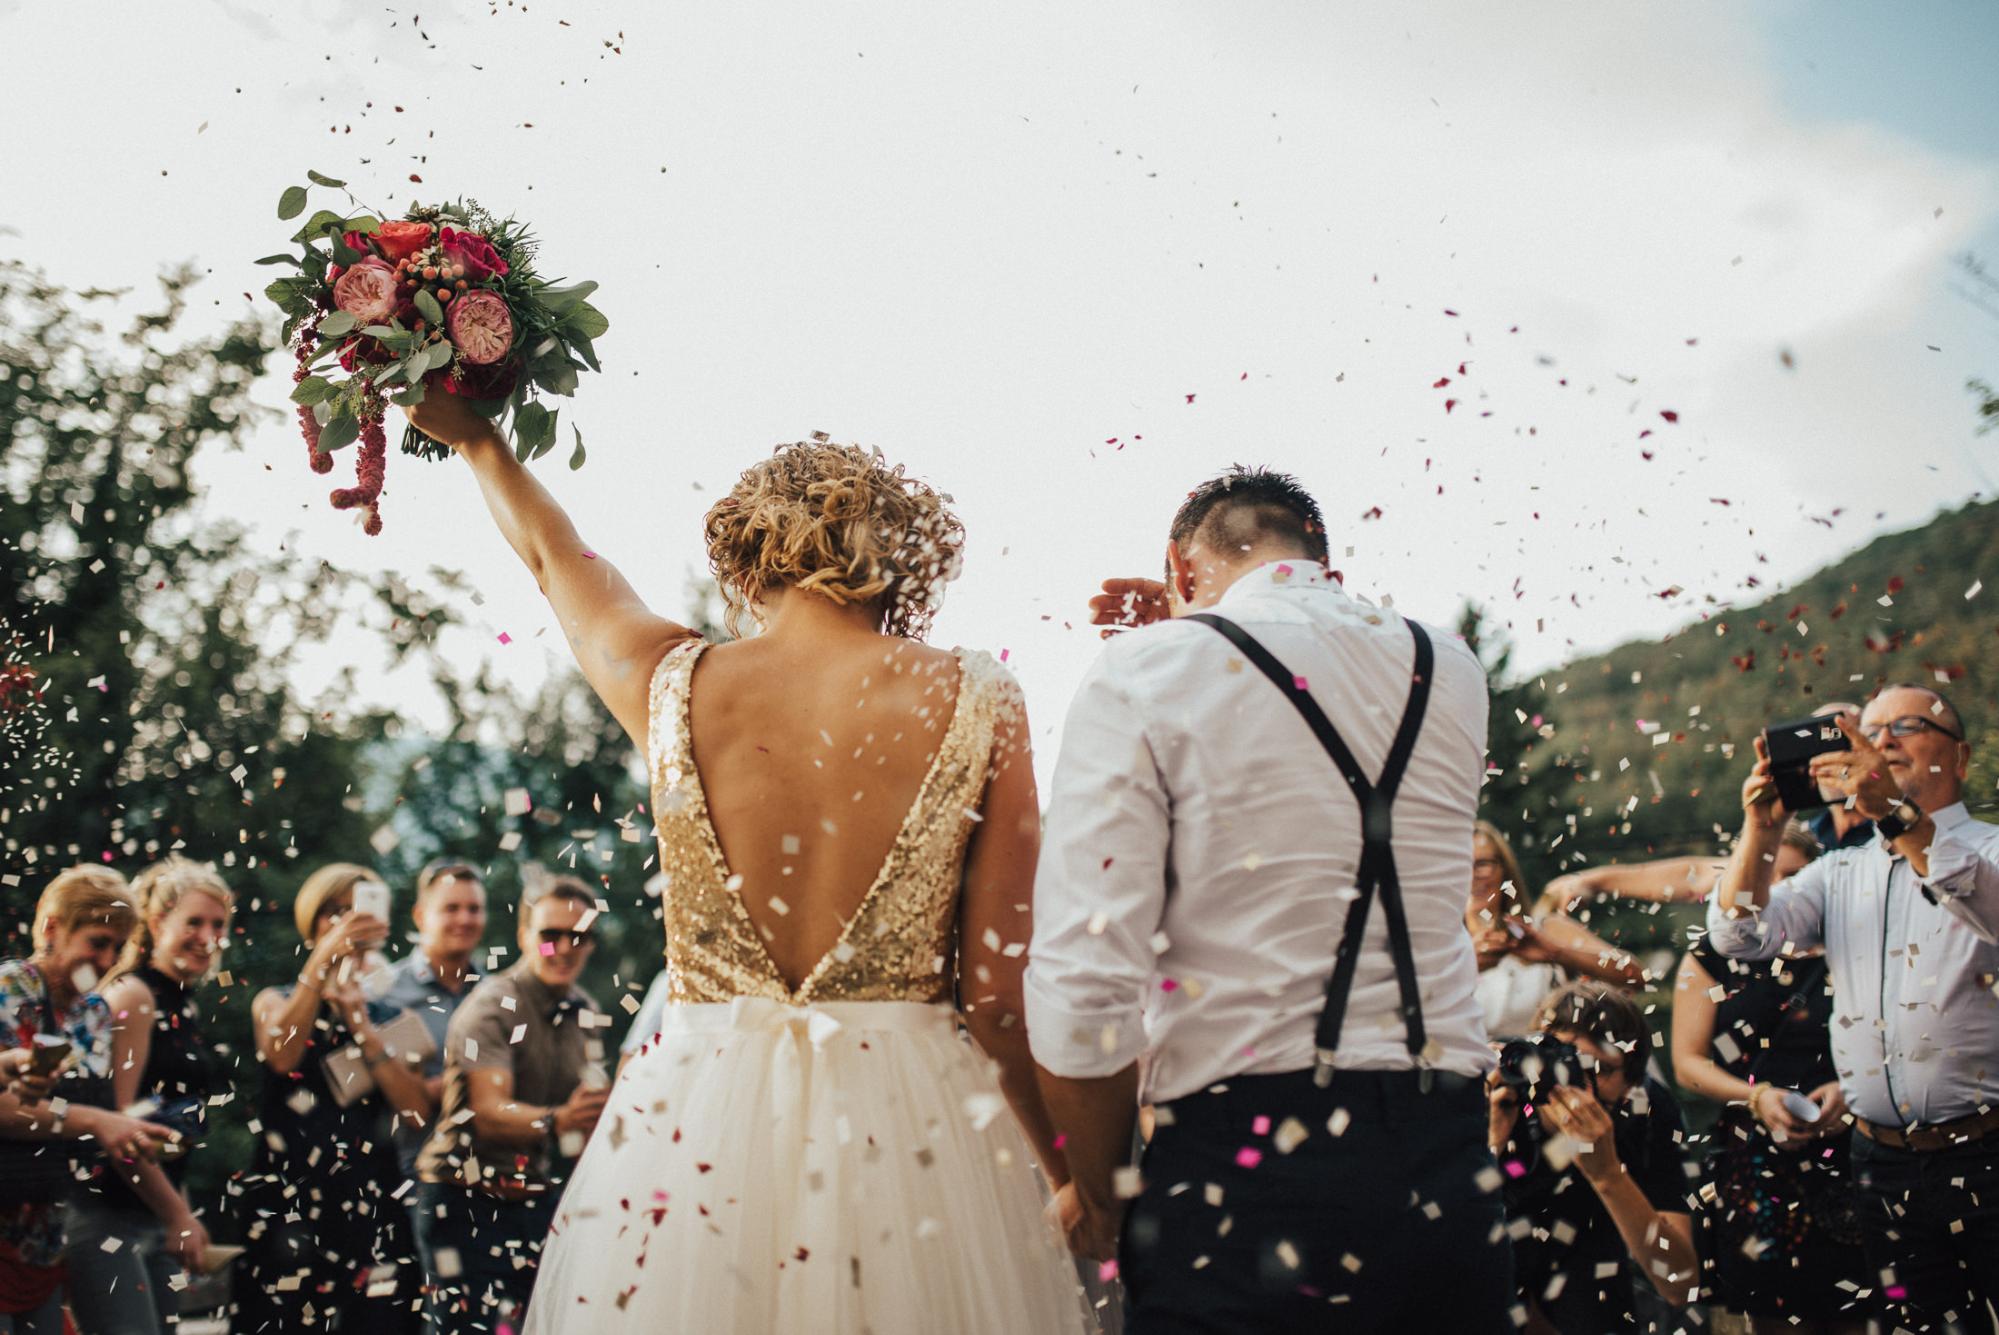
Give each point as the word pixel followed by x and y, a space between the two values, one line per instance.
pixel 616 639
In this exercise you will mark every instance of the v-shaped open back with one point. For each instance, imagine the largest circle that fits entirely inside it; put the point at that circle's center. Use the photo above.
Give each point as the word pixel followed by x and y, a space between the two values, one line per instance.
pixel 898 943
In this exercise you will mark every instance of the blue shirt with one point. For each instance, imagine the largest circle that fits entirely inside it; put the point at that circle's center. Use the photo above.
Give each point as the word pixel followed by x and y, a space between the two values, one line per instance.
pixel 1915 1024
pixel 417 990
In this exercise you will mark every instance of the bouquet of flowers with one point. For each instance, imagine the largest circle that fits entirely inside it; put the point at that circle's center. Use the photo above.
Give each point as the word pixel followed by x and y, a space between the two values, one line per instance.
pixel 444 299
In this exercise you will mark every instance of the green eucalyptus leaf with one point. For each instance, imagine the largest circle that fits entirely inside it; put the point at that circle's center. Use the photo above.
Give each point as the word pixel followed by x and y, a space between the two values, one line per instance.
pixel 316 225
pixel 556 378
pixel 548 436
pixel 317 179
pixel 427 307
pixel 312 390
pixel 560 299
pixel 367 224
pixel 587 320
pixel 410 397
pixel 576 459
pixel 440 354
pixel 490 409
pixel 339 432
pixel 534 427
pixel 286 258
pixel 291 203
pixel 336 324
pixel 585 349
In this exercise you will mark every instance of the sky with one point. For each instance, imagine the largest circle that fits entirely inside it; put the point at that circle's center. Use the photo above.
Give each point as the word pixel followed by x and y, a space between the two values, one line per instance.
pixel 1589 315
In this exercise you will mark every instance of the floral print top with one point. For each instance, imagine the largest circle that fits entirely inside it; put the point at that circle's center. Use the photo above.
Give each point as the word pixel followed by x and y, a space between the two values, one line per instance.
pixel 32 1234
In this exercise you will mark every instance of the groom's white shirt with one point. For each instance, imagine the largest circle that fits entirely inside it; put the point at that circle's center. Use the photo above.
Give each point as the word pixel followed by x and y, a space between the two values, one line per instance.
pixel 1200 848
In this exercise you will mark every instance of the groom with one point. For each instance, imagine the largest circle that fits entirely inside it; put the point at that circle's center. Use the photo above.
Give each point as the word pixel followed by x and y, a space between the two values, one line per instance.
pixel 1249 915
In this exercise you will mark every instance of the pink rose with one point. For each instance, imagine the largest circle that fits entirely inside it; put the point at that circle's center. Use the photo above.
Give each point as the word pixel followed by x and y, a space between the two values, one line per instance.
pixel 367 290
pixel 473 251
pixel 480 326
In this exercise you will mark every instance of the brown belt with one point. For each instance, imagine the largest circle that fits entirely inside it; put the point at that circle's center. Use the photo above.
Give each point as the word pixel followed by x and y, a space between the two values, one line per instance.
pixel 1925 1139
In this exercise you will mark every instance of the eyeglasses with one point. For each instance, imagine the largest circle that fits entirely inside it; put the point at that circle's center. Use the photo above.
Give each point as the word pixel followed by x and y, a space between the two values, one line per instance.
pixel 556 936
pixel 1906 726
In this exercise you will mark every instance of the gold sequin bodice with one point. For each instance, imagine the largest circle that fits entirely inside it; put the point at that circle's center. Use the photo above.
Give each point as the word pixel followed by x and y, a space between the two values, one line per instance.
pixel 900 943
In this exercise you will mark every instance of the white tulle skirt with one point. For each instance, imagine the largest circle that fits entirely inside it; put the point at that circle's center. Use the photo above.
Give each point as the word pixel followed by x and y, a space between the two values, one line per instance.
pixel 848 1168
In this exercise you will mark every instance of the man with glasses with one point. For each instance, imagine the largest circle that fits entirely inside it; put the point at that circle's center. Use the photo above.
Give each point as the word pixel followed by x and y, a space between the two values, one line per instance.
pixel 524 1085
pixel 1910 925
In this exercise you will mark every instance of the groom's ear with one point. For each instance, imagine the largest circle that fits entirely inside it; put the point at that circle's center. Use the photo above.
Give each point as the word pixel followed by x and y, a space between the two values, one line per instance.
pixel 1179 573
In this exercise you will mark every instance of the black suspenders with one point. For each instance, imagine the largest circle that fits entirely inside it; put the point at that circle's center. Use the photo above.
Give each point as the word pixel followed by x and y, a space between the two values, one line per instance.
pixel 1377 856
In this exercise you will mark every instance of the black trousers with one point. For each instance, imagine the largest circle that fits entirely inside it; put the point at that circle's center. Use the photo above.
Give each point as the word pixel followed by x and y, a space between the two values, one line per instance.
pixel 1932 1232
pixel 1394 1224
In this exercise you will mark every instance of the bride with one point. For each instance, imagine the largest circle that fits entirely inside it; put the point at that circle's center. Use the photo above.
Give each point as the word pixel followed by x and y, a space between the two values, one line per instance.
pixel 847 824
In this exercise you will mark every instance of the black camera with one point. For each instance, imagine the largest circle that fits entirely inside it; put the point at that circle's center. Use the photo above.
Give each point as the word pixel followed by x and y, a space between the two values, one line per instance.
pixel 1791 747
pixel 1538 1063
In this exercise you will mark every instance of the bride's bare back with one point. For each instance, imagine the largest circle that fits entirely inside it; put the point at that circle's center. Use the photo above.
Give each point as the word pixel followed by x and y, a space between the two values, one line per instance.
pixel 811 754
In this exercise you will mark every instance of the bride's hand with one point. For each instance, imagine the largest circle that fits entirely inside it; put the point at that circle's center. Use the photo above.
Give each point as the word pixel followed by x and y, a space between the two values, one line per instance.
pixel 1128 603
pixel 449 420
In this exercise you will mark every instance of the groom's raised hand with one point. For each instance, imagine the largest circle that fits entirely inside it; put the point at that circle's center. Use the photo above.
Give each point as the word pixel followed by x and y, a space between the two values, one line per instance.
pixel 1126 604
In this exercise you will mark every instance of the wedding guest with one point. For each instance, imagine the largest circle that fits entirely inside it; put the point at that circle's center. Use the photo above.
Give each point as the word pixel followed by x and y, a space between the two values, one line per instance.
pixel 1595 1225
pixel 1206 900
pixel 1778 1222
pixel 328 1244
pixel 1523 957
pixel 131 1231
pixel 1910 927
pixel 429 983
pixel 524 1085
pixel 54 1112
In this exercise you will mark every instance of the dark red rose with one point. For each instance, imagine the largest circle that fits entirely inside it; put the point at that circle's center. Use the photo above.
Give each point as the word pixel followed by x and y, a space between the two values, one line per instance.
pixel 473 251
pixel 481 382
pixel 400 240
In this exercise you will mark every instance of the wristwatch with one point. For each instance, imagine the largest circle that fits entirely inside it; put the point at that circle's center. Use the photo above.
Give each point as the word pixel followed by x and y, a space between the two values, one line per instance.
pixel 1901 818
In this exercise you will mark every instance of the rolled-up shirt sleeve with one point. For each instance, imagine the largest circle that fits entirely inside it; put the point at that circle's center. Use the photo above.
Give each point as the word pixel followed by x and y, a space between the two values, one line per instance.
pixel 1964 874
pixel 1792 922
pixel 1100 888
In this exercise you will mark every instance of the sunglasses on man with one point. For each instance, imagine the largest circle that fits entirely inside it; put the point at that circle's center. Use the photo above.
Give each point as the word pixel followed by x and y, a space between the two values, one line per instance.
pixel 556 936
pixel 1906 726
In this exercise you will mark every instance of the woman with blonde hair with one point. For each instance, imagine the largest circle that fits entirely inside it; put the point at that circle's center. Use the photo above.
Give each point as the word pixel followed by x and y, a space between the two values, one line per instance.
pixel 159 1057
pixel 55 1084
pixel 327 1234
pixel 848 825
pixel 1525 954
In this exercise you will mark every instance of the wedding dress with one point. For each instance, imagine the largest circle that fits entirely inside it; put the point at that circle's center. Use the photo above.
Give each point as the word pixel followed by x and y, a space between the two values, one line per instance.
pixel 832 1159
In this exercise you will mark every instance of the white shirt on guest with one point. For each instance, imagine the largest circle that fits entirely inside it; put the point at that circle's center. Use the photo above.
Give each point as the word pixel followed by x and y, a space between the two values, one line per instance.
pixel 1200 848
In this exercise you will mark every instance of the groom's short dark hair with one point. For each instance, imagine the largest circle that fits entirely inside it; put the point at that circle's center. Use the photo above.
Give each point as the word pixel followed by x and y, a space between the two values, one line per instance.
pixel 1249 507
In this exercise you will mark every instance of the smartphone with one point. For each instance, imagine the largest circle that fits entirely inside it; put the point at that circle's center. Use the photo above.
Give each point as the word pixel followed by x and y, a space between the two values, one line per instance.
pixel 50 1052
pixel 372 898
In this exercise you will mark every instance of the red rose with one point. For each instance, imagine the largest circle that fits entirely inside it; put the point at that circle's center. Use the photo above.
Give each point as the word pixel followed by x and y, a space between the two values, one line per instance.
pixel 481 382
pixel 400 240
pixel 473 251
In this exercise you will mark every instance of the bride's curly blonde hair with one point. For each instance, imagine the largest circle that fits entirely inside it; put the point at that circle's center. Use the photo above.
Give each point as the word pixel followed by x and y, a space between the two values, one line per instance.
pixel 838 521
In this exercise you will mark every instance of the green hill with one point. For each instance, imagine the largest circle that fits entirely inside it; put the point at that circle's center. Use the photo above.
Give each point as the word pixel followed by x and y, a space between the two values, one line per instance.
pixel 1592 783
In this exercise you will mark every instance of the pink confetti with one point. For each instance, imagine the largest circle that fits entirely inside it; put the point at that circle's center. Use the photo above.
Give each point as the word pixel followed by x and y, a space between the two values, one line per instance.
pixel 589 556
pixel 1301 683
pixel 1165 984
pixel 548 948
pixel 1669 415
pixel 1060 1141
pixel 1107 1270
pixel 1004 653
pixel 1248 1157
pixel 506 638
pixel 1190 398
pixel 1514 1168
pixel 1261 1126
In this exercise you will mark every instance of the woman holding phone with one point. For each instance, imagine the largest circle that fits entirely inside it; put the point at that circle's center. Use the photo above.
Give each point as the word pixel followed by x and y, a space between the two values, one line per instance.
pixel 323 1230
pixel 55 1084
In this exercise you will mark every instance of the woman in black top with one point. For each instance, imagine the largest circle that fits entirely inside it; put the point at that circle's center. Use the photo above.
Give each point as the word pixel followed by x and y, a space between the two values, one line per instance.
pixel 159 1060
pixel 325 1234
pixel 1778 1224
